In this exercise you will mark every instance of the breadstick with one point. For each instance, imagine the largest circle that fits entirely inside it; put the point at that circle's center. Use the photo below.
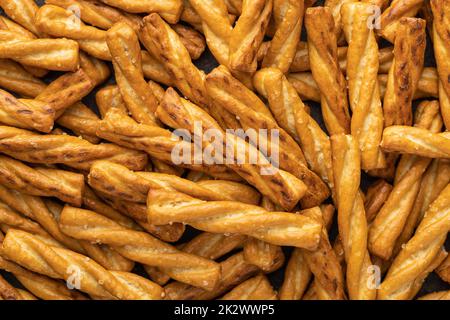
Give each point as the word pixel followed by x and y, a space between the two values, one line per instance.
pixel 226 217
pixel 170 10
pixel 420 251
pixel 141 247
pixel 234 271
pixel 124 46
pixel 96 70
pixel 64 185
pixel 296 278
pixel 390 18
pixel 23 12
pixel 56 263
pixel 441 295
pixel 416 141
pixel 322 47
pixel 248 33
pixel 109 97
pixel 72 151
pixel 257 288
pixel 13 77
pixel 283 46
pixel 376 196
pixel 352 221
pixel 441 39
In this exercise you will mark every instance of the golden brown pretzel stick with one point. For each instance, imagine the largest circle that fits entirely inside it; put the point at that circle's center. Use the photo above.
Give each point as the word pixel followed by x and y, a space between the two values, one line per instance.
pixel 140 247
pixel 119 182
pixel 305 85
pixel 248 34
pixel 387 226
pixel 352 221
pixel 322 47
pixel 109 97
pixel 124 46
pixel 282 48
pixel 278 228
pixel 390 18
pixel 238 101
pixel 291 114
pixel 257 288
pixel 23 12
pixel 74 152
pixel 164 43
pixel 335 9
pixel 61 263
pixel 364 94
pixel 444 270
pixel 7 291
pixel 193 40
pixel 441 40
pixel 416 141
pixel 7 24
pixel 96 70
pixel 287 189
pixel 376 196
pixel 405 71
pixel 296 278
pixel 11 219
pixel 170 10
pixel 441 295
pixel 13 77
pixel 420 251
pixel 64 185
pixel 234 271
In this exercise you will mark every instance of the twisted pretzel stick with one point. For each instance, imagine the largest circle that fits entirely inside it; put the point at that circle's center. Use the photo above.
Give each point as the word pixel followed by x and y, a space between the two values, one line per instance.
pixel 60 263
pixel 7 291
pixel 13 77
pixel 283 46
pixel 441 40
pixel 364 94
pixel 64 185
pixel 420 251
pixel 305 85
pixel 141 247
pixel 392 218
pixel 11 219
pixel 280 187
pixel 278 228
pixel 109 97
pixel 335 9
pixel 234 271
pixel 390 18
pixel 296 277
pixel 352 221
pixel 193 40
pixel 322 47
pixel 124 46
pixel 74 152
pixel 23 12
pixel 257 288
pixel 444 270
pixel 96 70
pixel 376 197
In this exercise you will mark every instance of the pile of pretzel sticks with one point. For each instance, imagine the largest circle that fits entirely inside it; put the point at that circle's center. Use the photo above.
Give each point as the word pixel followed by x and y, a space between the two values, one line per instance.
pixel 86 197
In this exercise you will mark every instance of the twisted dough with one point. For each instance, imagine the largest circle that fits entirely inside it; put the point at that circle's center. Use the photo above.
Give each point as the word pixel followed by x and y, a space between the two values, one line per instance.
pixel 297 276
pixel 322 47
pixel 257 288
pixel 376 196
pixel 352 221
pixel 141 247
pixel 419 253
pixel 36 255
pixel 278 228
pixel 13 77
pixel 335 9
pixel 288 15
pixel 364 93
pixel 390 18
pixel 97 70
pixel 441 41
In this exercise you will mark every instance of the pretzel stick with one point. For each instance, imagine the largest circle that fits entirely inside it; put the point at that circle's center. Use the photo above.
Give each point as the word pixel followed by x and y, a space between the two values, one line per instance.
pixel 297 277
pixel 257 288
pixel 335 9
pixel 325 69
pixel 7 291
pixel 390 18
pixel 193 40
pixel 13 77
pixel 305 85
pixel 352 221
pixel 441 295
pixel 234 271
pixel 96 70
pixel 441 39
pixel 420 251
pixel 376 197
pixel 56 262
pixel 109 97
pixel 64 185
pixel 23 12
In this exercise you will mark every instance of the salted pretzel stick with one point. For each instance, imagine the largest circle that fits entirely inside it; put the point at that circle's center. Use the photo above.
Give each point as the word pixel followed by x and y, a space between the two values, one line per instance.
pixel 257 288
pixel 440 295
pixel 140 247
pixel 109 97
pixel 12 219
pixel 391 219
pixel 352 221
pixel 420 251
pixel 248 33
pixel 23 12
pixel 96 70
pixel 193 40
pixel 124 46
pixel 335 9
pixel 305 85
pixel 322 47
pixel 364 94
pixel 288 15
pixel 13 77
pixel 441 39
pixel 238 100
pixel 64 149
pixel 278 228
pixel 296 277
pixel 376 196
pixel 390 18
pixel 234 271
pixel 64 185
pixel 55 262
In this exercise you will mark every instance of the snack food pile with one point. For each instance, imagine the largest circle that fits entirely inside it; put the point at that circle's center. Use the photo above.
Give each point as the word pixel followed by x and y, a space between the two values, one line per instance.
pixel 94 205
